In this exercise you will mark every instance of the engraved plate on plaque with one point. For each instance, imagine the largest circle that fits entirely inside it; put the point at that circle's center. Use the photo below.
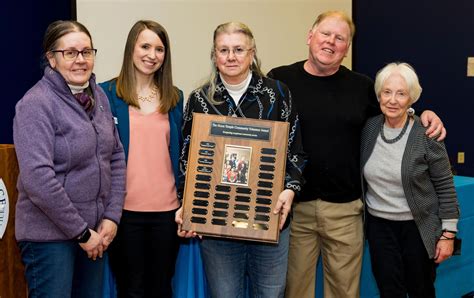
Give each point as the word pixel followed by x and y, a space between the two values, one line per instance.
pixel 235 173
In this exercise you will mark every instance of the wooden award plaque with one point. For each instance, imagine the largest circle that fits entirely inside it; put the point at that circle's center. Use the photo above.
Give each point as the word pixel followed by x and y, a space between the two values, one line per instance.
pixel 235 173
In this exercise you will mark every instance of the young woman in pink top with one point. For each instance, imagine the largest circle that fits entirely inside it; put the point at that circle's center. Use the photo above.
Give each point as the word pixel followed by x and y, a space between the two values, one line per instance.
pixel 148 112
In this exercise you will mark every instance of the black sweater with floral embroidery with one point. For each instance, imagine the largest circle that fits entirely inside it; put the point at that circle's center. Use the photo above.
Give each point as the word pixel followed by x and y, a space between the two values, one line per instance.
pixel 265 99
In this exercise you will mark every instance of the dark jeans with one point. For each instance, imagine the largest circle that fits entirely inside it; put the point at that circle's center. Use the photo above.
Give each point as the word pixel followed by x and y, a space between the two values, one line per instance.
pixel 399 259
pixel 143 254
pixel 61 269
pixel 228 262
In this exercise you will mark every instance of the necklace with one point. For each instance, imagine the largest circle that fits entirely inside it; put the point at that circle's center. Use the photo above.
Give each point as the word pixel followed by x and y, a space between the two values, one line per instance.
pixel 234 111
pixel 150 97
pixel 397 138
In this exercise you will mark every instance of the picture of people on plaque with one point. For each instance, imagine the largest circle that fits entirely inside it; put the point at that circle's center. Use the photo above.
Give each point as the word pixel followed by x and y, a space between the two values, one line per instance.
pixel 235 168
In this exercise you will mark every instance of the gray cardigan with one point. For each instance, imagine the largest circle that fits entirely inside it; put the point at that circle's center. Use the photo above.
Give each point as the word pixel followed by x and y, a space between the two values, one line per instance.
pixel 426 178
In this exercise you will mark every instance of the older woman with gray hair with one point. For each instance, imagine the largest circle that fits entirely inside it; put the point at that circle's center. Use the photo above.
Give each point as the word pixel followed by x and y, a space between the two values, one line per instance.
pixel 411 203
pixel 238 88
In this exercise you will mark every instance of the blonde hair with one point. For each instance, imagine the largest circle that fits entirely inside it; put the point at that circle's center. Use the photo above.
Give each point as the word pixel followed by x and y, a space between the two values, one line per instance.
pixel 339 14
pixel 406 71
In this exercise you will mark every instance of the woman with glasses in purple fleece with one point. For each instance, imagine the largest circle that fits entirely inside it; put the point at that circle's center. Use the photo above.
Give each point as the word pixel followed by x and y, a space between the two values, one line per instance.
pixel 72 170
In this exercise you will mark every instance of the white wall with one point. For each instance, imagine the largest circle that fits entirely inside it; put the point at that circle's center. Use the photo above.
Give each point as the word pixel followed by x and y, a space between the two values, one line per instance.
pixel 280 28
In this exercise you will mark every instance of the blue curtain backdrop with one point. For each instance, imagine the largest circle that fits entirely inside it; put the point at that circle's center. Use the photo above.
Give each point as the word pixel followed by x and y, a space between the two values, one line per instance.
pixel 436 37
pixel 22 26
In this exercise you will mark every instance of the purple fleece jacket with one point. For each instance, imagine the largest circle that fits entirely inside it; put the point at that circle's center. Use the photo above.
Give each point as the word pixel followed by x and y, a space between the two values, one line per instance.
pixel 72 164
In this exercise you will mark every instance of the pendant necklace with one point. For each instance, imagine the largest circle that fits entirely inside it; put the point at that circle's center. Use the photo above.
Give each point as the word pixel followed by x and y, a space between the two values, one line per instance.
pixel 234 111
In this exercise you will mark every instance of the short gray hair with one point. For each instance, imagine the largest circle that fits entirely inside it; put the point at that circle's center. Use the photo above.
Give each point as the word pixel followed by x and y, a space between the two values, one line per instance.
pixel 406 71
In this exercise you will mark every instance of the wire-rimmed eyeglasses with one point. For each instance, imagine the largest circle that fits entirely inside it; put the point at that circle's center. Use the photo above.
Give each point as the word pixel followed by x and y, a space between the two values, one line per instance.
pixel 238 52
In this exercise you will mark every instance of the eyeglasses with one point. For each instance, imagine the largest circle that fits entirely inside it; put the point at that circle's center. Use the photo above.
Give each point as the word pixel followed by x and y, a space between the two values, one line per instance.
pixel 399 95
pixel 238 52
pixel 88 54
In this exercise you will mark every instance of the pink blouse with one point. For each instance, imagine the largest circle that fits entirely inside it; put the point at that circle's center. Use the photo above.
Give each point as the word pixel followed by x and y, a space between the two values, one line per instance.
pixel 150 178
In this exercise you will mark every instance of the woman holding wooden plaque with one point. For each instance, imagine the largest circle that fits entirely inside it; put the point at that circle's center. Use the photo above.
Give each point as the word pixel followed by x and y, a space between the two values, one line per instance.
pixel 237 87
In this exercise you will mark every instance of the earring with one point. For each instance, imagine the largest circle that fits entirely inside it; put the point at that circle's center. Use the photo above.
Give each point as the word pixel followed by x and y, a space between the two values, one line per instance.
pixel 411 111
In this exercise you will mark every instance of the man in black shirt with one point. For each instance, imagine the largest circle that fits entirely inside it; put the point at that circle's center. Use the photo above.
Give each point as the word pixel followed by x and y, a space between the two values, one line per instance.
pixel 333 103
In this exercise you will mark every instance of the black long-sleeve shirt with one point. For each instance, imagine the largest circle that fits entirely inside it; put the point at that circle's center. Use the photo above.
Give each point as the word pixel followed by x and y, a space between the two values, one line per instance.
pixel 332 111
